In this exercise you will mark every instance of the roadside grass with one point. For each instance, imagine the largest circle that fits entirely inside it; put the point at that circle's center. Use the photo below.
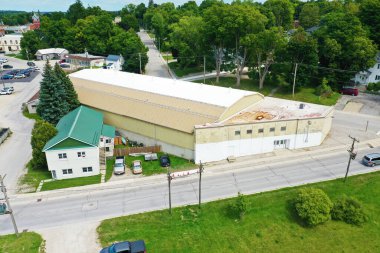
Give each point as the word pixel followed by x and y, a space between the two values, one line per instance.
pixel 18 56
pixel 269 225
pixel 304 94
pixel 179 72
pixel 109 167
pixel 28 115
pixel 33 177
pixel 167 56
pixel 28 242
pixel 72 182
pixel 154 167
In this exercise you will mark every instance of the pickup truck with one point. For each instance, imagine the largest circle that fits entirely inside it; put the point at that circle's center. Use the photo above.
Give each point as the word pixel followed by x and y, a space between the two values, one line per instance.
pixel 119 167
pixel 126 247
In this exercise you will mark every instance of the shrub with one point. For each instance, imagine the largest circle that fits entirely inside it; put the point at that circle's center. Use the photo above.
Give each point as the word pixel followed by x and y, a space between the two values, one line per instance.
pixel 348 210
pixel 373 86
pixel 324 89
pixel 239 206
pixel 313 206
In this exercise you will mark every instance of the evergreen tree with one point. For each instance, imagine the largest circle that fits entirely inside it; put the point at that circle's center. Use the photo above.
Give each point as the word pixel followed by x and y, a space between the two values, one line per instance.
pixel 71 96
pixel 52 105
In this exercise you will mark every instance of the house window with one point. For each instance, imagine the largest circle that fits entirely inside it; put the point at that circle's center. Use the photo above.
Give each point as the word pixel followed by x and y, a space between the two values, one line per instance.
pixel 377 78
pixel 108 140
pixel 271 129
pixel 237 132
pixel 16 42
pixel 378 66
pixel 249 131
pixel 62 156
pixel 67 171
pixel 81 154
pixel 87 169
pixel 101 139
pixel 10 41
pixel 283 128
pixel 34 106
pixel 107 149
pixel 261 130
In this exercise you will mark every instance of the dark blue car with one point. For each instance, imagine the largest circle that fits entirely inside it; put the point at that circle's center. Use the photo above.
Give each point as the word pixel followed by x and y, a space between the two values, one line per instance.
pixel 126 247
pixel 7 76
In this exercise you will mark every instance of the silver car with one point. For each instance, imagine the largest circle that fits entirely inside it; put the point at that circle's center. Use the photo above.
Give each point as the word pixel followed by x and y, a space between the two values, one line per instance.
pixel 371 159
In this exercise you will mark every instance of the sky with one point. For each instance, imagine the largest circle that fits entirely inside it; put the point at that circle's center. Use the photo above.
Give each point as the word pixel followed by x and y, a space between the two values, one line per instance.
pixel 63 5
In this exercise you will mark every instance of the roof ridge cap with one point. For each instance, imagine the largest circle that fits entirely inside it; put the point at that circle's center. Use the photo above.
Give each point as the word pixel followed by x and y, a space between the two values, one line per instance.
pixel 75 121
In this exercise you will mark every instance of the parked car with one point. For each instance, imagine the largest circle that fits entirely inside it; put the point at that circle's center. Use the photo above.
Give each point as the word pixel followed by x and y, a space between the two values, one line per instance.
pixel 14 72
pixel 371 159
pixel 65 65
pixel 36 68
pixel 126 247
pixel 136 167
pixel 119 167
pixel 26 72
pixel 62 61
pixel 7 66
pixel 5 92
pixel 3 60
pixel 30 63
pixel 164 161
pixel 350 90
pixel 7 76
pixel 10 88
pixel 19 76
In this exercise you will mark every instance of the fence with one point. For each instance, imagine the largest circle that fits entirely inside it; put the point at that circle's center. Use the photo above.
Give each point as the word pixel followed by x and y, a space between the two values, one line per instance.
pixel 131 150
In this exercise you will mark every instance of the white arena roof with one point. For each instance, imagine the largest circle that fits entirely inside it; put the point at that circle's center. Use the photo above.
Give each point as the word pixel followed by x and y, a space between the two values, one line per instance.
pixel 208 94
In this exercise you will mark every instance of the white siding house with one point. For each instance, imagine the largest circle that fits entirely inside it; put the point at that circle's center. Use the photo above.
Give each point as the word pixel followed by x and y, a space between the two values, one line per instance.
pixel 115 62
pixel 74 151
pixel 33 102
pixel 372 75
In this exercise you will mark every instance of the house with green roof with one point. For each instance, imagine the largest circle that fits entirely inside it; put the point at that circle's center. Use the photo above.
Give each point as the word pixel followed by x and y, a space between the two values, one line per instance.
pixel 81 142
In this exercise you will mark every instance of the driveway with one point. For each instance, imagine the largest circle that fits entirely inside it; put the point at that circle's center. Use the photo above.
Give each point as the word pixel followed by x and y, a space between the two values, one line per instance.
pixel 370 104
pixel 156 64
pixel 16 151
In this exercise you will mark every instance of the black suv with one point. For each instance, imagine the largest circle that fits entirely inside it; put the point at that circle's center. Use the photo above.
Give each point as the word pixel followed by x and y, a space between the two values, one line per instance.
pixel 164 161
pixel 31 64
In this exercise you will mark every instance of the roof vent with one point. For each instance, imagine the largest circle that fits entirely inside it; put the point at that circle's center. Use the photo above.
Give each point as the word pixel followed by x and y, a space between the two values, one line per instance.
pixel 302 106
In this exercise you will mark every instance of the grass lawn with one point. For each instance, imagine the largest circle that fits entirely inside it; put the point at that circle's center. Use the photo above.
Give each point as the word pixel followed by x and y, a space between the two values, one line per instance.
pixel 18 56
pixel 109 167
pixel 28 115
pixel 72 182
pixel 153 167
pixel 304 94
pixel 179 72
pixel 27 242
pixel 33 177
pixel 167 57
pixel 269 224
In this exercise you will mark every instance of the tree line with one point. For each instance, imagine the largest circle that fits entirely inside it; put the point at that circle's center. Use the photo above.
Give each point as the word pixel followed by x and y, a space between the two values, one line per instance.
pixel 331 39
pixel 90 29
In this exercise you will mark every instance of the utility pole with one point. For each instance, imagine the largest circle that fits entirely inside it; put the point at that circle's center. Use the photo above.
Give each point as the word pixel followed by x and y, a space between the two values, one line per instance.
pixel 4 190
pixel 352 155
pixel 140 62
pixel 204 69
pixel 294 79
pixel 170 194
pixel 200 182
pixel 27 53
pixel 1 73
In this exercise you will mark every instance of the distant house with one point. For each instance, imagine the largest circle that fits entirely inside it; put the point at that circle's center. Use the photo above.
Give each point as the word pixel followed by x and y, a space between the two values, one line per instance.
pixel 51 53
pixel 33 102
pixel 85 60
pixel 116 20
pixel 79 144
pixel 10 43
pixel 372 75
pixel 114 62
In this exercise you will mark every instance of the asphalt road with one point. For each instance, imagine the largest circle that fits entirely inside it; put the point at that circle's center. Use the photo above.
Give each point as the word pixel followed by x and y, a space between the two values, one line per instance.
pixel 95 203
pixel 156 65
pixel 16 151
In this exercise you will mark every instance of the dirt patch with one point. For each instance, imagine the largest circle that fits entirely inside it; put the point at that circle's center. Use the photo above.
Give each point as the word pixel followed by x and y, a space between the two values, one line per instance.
pixel 353 107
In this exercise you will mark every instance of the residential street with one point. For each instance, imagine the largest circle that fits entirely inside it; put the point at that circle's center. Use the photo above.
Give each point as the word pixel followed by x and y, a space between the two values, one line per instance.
pixel 156 65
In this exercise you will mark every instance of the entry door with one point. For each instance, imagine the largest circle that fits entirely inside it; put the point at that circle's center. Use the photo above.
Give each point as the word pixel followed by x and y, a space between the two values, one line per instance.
pixel 279 144
pixel 53 174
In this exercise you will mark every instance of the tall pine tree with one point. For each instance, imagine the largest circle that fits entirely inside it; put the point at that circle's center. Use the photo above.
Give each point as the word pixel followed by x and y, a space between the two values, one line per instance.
pixel 52 105
pixel 71 96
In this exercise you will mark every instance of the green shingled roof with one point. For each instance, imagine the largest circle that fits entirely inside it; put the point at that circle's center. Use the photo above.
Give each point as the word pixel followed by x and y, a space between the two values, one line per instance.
pixel 82 124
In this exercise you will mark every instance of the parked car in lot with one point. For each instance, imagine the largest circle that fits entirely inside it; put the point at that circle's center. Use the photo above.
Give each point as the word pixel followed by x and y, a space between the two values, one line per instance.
pixel 7 66
pixel 5 92
pixel 350 90
pixel 126 247
pixel 13 72
pixel 3 60
pixel 30 63
pixel 164 161
pixel 65 65
pixel 19 76
pixel 371 159
pixel 136 167
pixel 10 88
pixel 26 72
pixel 119 167
pixel 7 76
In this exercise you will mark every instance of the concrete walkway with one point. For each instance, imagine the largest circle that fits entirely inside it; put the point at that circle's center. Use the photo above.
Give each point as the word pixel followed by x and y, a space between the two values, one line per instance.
pixel 156 64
